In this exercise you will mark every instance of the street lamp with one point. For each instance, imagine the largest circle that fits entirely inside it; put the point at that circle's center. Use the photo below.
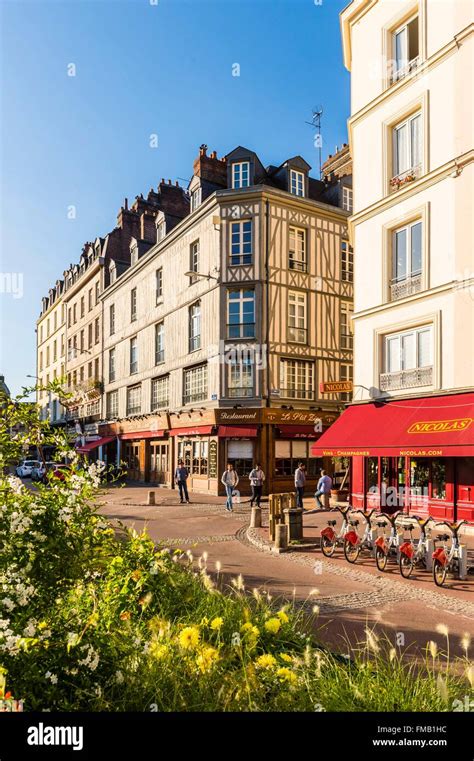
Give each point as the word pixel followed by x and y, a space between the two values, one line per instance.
pixel 201 275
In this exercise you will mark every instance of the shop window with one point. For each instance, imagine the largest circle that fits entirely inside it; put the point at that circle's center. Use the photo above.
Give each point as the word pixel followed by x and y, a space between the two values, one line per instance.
pixel 289 453
pixel 194 454
pixel 438 479
pixel 428 478
pixel 372 473
pixel 241 455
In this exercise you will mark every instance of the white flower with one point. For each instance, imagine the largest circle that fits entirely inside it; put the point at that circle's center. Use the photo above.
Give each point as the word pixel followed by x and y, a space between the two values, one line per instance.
pixel 30 629
pixel 9 604
pixel 118 677
pixel 52 677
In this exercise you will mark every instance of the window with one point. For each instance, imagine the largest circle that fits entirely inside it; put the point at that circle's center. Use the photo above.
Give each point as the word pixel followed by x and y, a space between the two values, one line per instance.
pixel 69 321
pixel 241 313
pixel 406 260
pixel 134 401
pixel 196 199
pixel 195 384
pixel 89 370
pixel 297 249
pixel 47 356
pixel 240 378
pixel 111 365
pixel 241 243
pixel 81 373
pixel 241 455
pixel 55 348
pixel 74 316
pixel 289 453
pixel 81 342
pixel 347 262
pixel 195 327
pixel 346 374
pixel 405 50
pixel 97 330
pixel 55 320
pixel 90 299
pixel 89 335
pixel 194 454
pixel 83 306
pixel 133 355
pixel 296 182
pixel 159 284
pixel 407 359
pixel 240 175
pixel 133 304
pixel 346 325
pixel 97 292
pixel 297 331
pixel 160 393
pixel 194 260
pixel 133 255
pixel 112 319
pixel 296 379
pixel 347 199
pixel 112 404
pixel 160 230
pixel 112 273
pixel 62 346
pixel 159 343
pixel 407 150
pixel 96 368
pixel 41 360
pixel 428 478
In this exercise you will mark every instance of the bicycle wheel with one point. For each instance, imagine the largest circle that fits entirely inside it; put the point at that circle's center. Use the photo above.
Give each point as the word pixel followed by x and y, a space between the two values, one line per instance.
pixel 328 546
pixel 381 559
pixel 406 565
pixel 440 572
pixel 351 551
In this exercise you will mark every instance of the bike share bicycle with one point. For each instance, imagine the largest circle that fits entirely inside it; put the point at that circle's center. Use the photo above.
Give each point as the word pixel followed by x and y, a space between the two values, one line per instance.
pixel 329 538
pixel 411 553
pixel 387 547
pixel 449 559
pixel 353 543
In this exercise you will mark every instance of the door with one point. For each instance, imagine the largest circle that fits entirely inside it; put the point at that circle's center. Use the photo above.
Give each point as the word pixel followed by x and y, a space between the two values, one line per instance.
pixel 464 488
pixel 132 458
pixel 159 471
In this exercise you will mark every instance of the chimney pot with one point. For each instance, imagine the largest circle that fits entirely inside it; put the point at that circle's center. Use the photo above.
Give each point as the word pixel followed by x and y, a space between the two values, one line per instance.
pixel 203 149
pixel 126 203
pixel 169 182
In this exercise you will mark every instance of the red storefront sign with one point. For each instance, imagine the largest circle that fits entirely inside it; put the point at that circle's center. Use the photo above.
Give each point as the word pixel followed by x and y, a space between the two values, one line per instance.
pixel 298 432
pixel 236 431
pixel 142 435
pixel 196 431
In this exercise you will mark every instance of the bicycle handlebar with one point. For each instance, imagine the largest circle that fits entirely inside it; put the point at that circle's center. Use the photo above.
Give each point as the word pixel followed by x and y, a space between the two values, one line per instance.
pixel 453 527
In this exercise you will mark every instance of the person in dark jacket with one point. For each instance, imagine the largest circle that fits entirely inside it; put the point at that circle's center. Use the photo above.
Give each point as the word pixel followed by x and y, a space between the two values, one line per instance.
pixel 180 479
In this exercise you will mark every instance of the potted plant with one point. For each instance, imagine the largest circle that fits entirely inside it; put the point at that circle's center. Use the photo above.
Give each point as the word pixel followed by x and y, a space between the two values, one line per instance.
pixel 341 494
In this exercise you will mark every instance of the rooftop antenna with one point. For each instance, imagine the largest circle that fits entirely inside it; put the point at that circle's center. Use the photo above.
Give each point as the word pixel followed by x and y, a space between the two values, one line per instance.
pixel 315 123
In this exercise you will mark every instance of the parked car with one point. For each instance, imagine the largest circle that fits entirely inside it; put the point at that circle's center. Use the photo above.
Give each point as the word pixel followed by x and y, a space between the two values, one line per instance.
pixel 25 468
pixel 39 473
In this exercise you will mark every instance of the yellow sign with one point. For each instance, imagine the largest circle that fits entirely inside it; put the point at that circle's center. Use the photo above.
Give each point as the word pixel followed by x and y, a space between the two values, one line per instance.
pixel 440 426
pixel 336 387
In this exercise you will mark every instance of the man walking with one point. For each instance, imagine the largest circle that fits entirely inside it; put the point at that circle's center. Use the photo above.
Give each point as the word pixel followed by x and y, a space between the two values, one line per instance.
pixel 323 489
pixel 230 479
pixel 300 480
pixel 256 477
pixel 180 479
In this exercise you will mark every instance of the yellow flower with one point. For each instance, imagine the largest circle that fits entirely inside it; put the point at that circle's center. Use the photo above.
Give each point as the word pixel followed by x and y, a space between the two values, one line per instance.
pixel 159 651
pixel 125 615
pixel 189 637
pixel 42 625
pixel 283 617
pixel 273 625
pixel 206 659
pixel 286 675
pixel 266 661
pixel 285 657
pixel 217 623
pixel 136 574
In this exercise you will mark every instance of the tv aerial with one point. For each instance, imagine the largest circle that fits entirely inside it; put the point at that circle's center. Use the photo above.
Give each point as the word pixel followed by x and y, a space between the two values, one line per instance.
pixel 315 123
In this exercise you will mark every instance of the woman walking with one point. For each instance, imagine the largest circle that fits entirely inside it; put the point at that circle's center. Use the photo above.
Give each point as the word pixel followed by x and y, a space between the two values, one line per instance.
pixel 256 477
pixel 230 479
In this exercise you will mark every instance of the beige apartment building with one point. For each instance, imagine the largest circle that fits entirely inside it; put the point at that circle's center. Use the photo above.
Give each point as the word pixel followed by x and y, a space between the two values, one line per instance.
pixel 217 337
pixel 51 353
pixel 411 138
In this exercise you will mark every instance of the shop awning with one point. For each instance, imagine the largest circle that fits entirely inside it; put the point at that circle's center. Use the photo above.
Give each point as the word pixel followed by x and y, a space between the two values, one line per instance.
pixel 435 426
pixel 238 431
pixel 196 431
pixel 94 444
pixel 298 432
pixel 142 435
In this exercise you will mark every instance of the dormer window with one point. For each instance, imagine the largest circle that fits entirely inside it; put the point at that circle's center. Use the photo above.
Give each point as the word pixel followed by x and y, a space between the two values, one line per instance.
pixel 160 230
pixel 196 198
pixel 112 275
pixel 134 254
pixel 240 175
pixel 296 183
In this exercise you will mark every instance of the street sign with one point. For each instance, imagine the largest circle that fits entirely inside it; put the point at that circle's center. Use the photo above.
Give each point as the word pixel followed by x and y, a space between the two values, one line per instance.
pixel 335 387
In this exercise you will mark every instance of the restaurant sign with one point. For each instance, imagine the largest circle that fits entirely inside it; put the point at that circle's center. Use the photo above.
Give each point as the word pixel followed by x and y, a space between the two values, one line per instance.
pixel 336 387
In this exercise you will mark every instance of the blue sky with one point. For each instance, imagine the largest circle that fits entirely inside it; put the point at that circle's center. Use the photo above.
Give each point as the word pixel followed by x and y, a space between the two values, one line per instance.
pixel 142 69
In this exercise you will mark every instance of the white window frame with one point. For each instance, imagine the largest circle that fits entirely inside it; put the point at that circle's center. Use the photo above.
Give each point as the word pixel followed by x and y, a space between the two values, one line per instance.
pixel 242 300
pixel 347 198
pixel 133 304
pixel 194 255
pixel 138 407
pixel 160 389
pixel 133 355
pixel 112 365
pixel 194 321
pixel 297 183
pixel 346 312
pixel 195 384
pixel 408 250
pixel 296 379
pixel 111 319
pixel 400 68
pixel 240 175
pixel 240 377
pixel 159 342
pixel 237 234
pixel 297 245
pixel 347 262
pixel 412 166
pixel 196 198
pixel 400 336
pixel 297 317
pixel 112 404
pixel 159 284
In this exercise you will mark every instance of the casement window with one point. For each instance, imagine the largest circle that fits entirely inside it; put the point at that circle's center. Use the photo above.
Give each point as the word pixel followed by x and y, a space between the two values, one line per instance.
pixel 97 292
pixel 112 273
pixel 195 326
pixel 55 317
pixel 134 400
pixel 347 262
pixel 62 346
pixel 74 316
pixel 296 379
pixel 405 50
pixel 407 150
pixel 346 325
pixel 347 199
pixel 195 384
pixel 297 317
pixel 194 453
pixel 83 306
pixel 47 356
pixel 89 370
pixel 97 330
pixel 159 284
pixel 288 453
pixel 241 313
pixel 112 319
pixel 41 331
pixel 194 260
pixel 406 260
pixel 241 243
pixel 240 377
pixel 133 355
pixel 296 182
pixel 407 359
pixel 133 304
pixel 160 393
pixel 81 373
pixel 133 255
pixel 196 198
pixel 41 360
pixel 112 404
pixel 90 304
pixel 161 230
pixel 240 175
pixel 96 368
pixel 89 335
pixel 346 373
pixel 159 343
pixel 69 321
pixel 297 257
pixel 81 342
pixel 111 365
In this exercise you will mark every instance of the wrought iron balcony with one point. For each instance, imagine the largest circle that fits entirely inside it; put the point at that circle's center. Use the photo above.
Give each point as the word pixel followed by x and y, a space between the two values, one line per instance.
pixel 403 71
pixel 407 287
pixel 419 376
pixel 404 178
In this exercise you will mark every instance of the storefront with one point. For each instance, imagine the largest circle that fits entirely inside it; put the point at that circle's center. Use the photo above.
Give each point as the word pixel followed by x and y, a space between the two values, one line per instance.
pixel 415 455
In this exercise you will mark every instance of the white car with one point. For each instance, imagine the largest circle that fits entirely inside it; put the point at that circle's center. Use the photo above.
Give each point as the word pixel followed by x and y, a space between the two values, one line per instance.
pixel 25 468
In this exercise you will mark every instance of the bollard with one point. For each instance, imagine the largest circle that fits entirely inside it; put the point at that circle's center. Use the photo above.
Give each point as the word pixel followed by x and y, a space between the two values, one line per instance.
pixel 281 536
pixel 294 521
pixel 256 517
pixel 151 498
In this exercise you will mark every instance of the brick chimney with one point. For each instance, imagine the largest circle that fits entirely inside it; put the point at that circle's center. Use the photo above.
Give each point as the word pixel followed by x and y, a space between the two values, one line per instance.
pixel 148 227
pixel 339 165
pixel 210 168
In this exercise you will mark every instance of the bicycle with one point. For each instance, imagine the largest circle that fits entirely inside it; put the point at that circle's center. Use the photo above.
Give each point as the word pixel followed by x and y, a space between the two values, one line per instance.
pixel 447 559
pixel 353 544
pixel 385 548
pixel 412 554
pixel 329 538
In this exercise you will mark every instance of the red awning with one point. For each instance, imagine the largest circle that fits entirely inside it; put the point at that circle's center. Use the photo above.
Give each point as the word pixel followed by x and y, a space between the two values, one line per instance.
pixel 94 444
pixel 298 432
pixel 434 426
pixel 236 431
pixel 142 435
pixel 196 431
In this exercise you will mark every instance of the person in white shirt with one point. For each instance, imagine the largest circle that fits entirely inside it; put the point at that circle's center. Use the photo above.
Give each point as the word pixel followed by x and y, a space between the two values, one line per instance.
pixel 230 479
pixel 323 489
pixel 256 477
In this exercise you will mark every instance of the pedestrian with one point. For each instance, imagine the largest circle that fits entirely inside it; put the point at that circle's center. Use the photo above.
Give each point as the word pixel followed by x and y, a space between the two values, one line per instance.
pixel 230 479
pixel 300 480
pixel 323 489
pixel 180 479
pixel 256 477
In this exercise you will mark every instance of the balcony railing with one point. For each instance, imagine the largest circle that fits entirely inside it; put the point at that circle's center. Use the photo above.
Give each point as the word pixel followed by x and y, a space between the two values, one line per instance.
pixel 407 287
pixel 403 71
pixel 197 396
pixel 404 178
pixel 297 393
pixel 240 392
pixel 419 376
